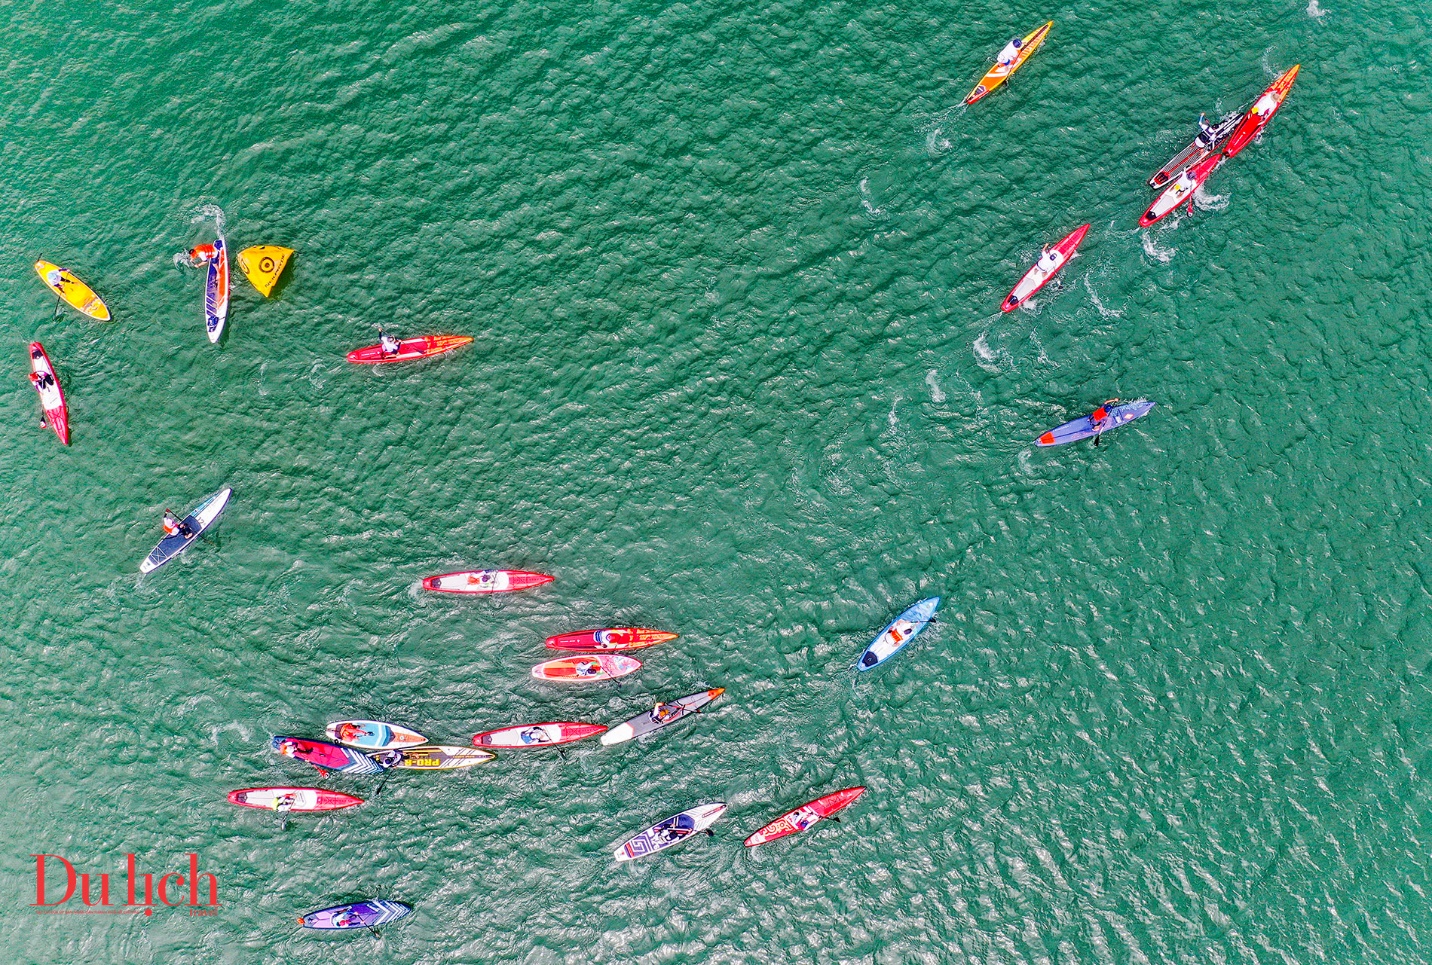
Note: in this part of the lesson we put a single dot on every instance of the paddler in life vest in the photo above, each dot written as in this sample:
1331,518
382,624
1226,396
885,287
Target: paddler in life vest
174,526
201,255
389,343
1010,53
1099,419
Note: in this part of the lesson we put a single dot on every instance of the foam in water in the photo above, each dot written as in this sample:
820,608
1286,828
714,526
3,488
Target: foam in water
1152,249
1094,297
1209,202
865,199
210,212
1314,10
932,379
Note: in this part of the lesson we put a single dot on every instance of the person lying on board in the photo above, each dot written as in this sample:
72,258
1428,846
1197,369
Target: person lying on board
350,733
201,255
535,735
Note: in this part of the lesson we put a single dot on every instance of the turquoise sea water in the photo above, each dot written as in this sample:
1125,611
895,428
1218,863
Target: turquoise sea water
739,371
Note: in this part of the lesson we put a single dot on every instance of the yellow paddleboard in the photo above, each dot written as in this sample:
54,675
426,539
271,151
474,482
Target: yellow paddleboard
999,73
63,283
262,264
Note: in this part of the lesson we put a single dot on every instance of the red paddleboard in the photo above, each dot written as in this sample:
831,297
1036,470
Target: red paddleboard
612,638
537,735
600,666
1180,190
422,347
292,799
1036,278
793,822
52,397
485,581
1268,102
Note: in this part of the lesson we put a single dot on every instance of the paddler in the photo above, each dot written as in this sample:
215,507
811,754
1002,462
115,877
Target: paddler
662,711
201,255
1266,104
351,733
1049,260
1010,53
1205,132
174,526
1099,418
55,277
389,344
285,802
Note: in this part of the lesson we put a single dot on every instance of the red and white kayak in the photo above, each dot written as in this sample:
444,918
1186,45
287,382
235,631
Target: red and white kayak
1262,112
1180,191
587,668
793,822
1036,278
537,735
424,346
485,581
52,397
611,638
292,799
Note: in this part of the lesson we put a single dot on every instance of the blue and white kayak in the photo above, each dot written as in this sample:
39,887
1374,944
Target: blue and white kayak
360,914
200,518
669,832
373,735
1087,427
898,633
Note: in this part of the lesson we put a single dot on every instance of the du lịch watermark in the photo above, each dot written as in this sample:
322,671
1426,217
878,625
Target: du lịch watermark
58,882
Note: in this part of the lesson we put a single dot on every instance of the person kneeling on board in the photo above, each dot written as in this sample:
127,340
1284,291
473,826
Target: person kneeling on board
389,343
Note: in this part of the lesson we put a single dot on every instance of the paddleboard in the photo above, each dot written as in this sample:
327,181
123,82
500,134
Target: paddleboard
216,292
485,581
424,346
262,265
1253,124
1083,428
669,832
793,822
999,73
536,735
670,714
1180,190
611,638
52,397
75,293
200,518
1036,278
373,735
286,799
369,913
1196,152
441,757
898,633
326,755
587,668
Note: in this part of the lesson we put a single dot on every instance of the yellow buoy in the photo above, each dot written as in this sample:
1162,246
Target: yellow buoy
262,264
63,283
